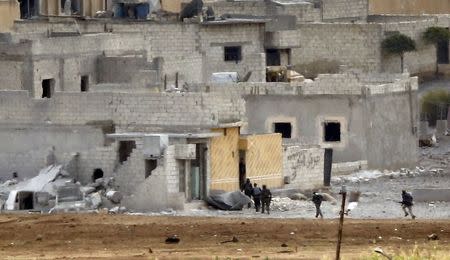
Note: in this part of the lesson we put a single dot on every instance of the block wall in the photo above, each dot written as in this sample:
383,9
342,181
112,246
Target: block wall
422,60
303,166
331,45
336,9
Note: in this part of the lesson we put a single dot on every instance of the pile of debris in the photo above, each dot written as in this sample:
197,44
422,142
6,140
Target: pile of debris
54,190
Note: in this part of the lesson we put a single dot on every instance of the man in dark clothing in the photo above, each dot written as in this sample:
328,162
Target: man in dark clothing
247,188
317,199
266,197
407,203
256,196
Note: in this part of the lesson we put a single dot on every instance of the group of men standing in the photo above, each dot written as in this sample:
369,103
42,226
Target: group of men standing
259,195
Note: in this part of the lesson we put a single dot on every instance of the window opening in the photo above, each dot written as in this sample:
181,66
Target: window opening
284,128
233,53
332,132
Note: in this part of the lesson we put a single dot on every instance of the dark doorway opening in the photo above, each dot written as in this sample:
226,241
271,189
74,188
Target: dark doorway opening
442,52
97,174
125,150
285,129
25,200
273,57
242,168
332,132
198,178
47,88
150,165
84,84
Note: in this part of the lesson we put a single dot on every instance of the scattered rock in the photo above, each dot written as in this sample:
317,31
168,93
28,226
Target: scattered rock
298,196
114,196
96,200
39,238
172,240
433,237
150,250
284,245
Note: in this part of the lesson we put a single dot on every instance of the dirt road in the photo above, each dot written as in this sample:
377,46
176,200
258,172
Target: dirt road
87,236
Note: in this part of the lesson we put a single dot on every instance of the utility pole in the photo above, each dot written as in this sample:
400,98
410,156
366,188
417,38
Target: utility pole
343,192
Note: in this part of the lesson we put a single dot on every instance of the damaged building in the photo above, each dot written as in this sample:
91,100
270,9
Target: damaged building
139,101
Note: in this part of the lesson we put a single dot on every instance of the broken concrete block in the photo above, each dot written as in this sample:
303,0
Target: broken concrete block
114,196
96,199
87,190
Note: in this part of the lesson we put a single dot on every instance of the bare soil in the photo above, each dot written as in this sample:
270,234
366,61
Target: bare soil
88,236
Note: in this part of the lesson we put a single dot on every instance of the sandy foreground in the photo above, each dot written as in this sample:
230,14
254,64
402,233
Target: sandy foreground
88,236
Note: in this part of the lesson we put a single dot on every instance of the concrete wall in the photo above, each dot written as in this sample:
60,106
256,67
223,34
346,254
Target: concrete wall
9,11
304,166
392,137
324,47
411,7
358,113
25,147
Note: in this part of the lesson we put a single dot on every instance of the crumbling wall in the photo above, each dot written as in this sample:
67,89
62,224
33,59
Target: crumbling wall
303,166
25,148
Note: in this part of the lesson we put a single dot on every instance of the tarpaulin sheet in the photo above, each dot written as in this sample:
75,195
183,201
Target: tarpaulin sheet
234,200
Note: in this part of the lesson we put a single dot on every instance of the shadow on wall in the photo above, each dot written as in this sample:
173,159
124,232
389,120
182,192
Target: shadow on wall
312,69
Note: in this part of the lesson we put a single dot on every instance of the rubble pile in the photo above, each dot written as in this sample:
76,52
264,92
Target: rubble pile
54,190
285,204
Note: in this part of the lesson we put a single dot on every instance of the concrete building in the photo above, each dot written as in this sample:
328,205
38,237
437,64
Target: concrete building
134,99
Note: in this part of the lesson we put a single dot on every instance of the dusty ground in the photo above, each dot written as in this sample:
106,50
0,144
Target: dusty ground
87,236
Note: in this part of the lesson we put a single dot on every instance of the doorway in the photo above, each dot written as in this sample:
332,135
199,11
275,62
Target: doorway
48,87
199,173
25,200
242,168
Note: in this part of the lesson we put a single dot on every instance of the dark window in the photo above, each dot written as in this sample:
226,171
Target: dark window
48,88
285,129
97,174
125,150
150,165
233,53
84,83
332,132
273,57
442,52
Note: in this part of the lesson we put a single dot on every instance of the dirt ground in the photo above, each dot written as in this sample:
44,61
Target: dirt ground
87,236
